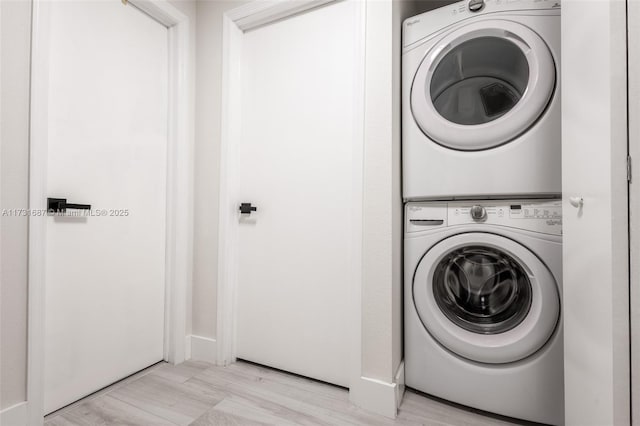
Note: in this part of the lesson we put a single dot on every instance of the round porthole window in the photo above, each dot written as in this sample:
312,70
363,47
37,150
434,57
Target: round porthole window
482,290
479,80
485,297
482,85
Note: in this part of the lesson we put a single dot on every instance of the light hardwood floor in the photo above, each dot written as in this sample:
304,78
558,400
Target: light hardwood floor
199,394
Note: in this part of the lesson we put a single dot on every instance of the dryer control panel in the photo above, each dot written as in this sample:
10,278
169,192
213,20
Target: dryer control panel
543,216
422,26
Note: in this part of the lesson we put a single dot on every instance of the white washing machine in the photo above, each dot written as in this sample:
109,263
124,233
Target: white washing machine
481,100
482,312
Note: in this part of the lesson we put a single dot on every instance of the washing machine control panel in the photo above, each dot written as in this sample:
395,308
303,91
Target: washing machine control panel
533,215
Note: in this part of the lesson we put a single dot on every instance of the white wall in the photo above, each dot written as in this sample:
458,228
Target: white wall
595,251
382,270
189,8
207,163
380,351
381,180
15,42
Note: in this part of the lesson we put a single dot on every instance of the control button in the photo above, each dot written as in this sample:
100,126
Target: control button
476,5
478,213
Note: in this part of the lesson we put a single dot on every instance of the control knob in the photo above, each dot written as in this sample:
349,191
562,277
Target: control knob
478,213
476,5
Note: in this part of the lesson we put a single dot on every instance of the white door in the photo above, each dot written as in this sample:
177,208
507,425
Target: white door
107,142
595,207
296,167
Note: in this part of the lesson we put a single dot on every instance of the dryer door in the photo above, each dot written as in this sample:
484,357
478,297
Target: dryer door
486,298
482,85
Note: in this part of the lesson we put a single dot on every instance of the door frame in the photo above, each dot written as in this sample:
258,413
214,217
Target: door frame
235,23
179,222
633,87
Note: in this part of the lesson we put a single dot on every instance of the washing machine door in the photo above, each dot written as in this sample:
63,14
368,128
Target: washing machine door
482,85
486,298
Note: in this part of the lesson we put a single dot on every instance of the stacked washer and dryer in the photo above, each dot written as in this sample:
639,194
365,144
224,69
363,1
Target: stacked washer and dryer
483,217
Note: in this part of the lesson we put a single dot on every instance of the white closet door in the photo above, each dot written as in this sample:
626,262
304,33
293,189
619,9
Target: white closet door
296,167
107,143
595,231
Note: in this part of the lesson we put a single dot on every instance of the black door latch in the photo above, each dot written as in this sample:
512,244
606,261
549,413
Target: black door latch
60,205
246,208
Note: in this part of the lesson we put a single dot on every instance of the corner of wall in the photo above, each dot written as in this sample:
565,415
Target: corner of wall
375,395
400,387
378,396
200,348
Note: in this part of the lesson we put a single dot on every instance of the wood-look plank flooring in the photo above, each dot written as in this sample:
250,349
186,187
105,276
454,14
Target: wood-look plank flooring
201,394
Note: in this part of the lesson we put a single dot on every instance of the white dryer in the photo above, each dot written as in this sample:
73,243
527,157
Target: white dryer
481,100
482,306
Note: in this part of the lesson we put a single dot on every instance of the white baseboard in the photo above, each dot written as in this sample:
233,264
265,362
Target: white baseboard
399,380
187,347
201,349
378,396
15,415
375,395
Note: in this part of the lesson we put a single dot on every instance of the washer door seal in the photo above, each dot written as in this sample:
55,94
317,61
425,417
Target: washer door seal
482,85
514,312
